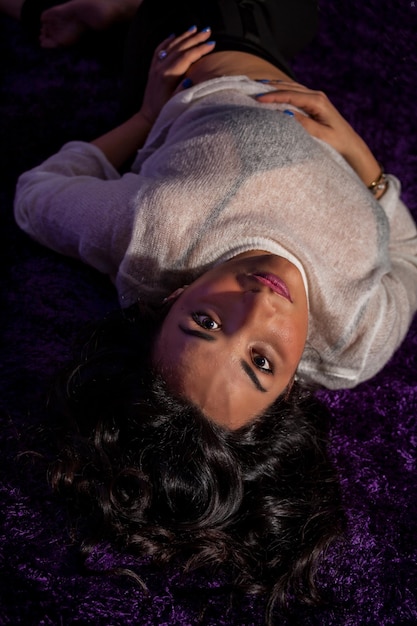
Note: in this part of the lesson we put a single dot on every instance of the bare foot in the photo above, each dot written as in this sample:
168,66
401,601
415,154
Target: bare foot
12,8
64,24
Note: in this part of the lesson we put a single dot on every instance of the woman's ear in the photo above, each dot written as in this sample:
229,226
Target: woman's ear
174,295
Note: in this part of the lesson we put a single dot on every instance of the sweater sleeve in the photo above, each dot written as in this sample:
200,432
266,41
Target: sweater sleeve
393,302
77,204
401,282
373,300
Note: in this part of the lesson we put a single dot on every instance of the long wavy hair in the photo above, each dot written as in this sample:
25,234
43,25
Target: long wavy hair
159,479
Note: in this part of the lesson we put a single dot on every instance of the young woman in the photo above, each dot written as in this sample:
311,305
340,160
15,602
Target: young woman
268,247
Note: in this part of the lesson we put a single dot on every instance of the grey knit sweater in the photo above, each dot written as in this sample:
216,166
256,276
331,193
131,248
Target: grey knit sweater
221,174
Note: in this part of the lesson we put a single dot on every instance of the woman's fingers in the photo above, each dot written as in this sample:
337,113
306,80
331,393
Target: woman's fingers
174,41
322,115
178,53
322,119
188,39
314,103
283,84
171,60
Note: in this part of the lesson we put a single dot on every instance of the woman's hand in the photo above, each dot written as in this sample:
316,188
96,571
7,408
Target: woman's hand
170,62
324,122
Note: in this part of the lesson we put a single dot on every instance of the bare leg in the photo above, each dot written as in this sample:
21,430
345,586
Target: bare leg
64,24
13,8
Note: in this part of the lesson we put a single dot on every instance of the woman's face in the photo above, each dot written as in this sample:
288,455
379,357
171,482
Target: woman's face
232,340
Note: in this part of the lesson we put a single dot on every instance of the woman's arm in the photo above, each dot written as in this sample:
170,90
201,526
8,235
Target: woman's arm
76,202
392,303
121,143
324,122
178,54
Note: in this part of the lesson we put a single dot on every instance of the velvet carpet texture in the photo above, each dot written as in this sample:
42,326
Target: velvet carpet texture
365,58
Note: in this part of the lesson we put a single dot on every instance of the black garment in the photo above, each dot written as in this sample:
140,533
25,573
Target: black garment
274,30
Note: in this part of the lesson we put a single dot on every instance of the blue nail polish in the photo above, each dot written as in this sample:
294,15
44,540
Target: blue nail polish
257,95
268,80
187,82
207,29
288,112
210,43
192,28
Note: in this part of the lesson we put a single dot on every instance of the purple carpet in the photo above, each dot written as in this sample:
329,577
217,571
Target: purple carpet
365,57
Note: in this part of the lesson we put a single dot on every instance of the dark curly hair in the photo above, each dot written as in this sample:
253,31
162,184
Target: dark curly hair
162,480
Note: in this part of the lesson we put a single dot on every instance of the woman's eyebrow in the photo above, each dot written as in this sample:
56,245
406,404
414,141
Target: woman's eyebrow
194,332
249,371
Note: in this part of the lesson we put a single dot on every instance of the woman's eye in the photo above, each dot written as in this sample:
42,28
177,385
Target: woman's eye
262,363
205,321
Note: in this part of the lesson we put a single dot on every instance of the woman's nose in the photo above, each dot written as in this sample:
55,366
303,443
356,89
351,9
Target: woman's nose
258,303
251,308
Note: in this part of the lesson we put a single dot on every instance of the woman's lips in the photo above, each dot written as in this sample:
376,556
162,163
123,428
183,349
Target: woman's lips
273,282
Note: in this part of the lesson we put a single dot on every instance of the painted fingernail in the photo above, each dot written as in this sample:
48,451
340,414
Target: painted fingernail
210,43
192,28
187,82
288,112
207,29
258,95
268,80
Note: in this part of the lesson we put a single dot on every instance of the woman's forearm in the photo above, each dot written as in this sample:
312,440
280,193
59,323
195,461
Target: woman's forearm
324,122
171,60
121,144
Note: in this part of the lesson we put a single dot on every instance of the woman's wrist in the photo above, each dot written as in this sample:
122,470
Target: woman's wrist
367,167
145,118
121,144
379,185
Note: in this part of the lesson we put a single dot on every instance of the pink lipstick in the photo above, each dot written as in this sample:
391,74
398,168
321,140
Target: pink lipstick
273,282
